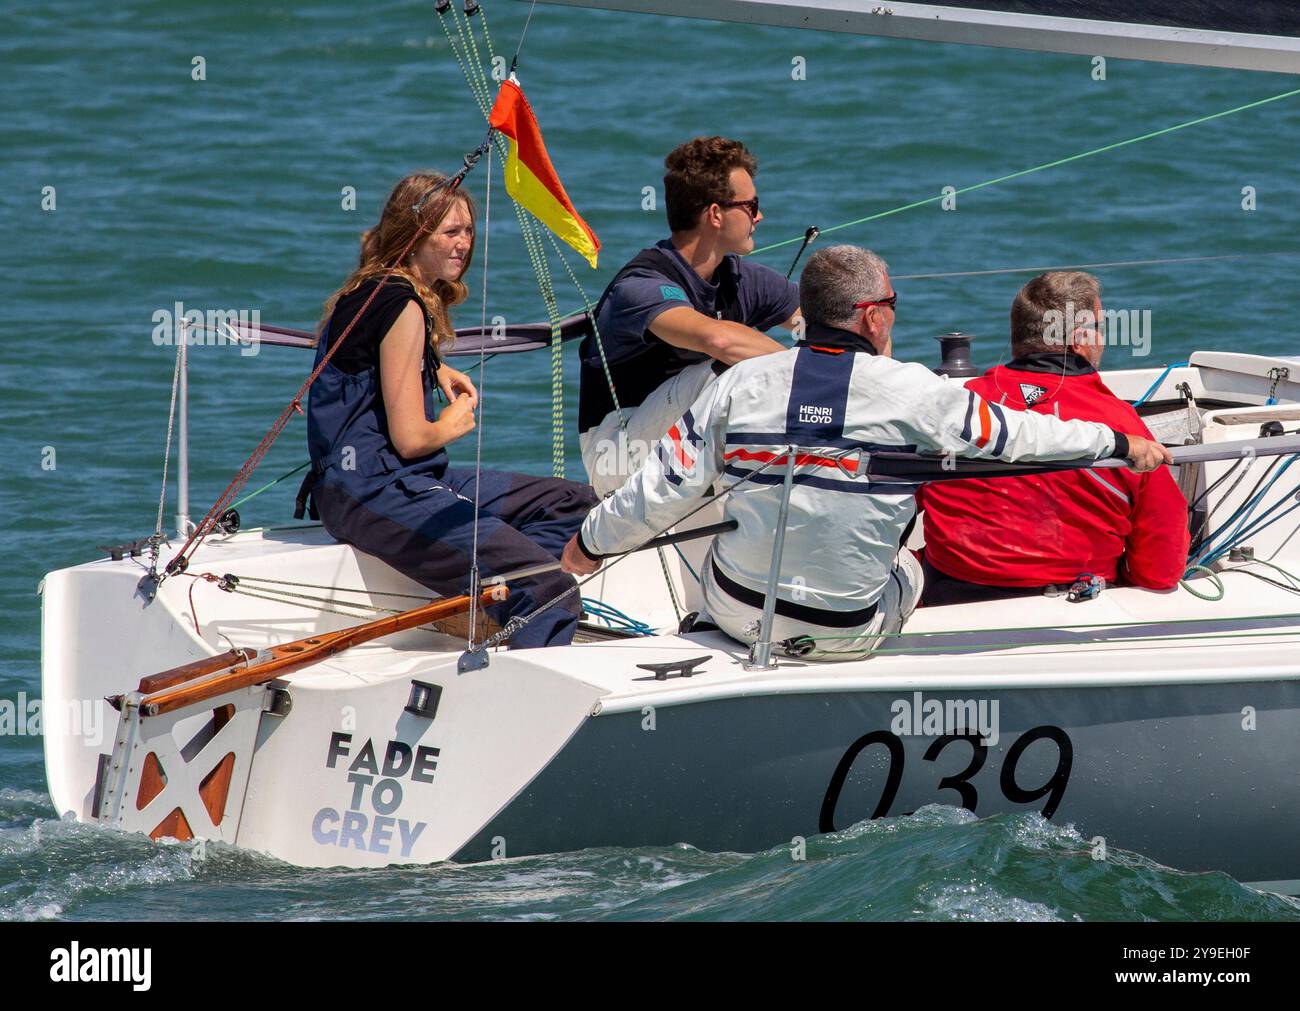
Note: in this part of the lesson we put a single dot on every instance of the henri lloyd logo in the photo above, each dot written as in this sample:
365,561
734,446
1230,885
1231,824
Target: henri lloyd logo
102,965
815,414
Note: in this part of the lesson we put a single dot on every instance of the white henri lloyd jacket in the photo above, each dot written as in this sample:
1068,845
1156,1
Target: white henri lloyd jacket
835,400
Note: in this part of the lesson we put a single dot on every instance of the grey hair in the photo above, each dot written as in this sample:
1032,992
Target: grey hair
835,279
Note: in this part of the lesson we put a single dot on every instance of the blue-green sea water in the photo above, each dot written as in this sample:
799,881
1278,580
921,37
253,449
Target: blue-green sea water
128,185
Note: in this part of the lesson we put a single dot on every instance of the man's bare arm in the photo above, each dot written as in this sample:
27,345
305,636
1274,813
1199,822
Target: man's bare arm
684,327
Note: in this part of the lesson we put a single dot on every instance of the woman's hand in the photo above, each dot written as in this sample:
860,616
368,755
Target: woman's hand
454,384
455,420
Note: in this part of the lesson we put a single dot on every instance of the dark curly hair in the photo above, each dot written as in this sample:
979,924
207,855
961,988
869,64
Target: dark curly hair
699,174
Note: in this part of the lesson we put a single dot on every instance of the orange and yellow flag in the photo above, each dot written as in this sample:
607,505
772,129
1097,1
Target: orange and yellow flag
531,179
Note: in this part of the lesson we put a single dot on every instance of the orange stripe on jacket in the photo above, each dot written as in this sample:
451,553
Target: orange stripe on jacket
986,424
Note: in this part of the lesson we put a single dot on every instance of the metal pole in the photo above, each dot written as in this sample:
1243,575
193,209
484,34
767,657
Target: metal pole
760,654
183,524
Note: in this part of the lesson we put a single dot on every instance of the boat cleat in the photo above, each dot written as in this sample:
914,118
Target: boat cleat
673,668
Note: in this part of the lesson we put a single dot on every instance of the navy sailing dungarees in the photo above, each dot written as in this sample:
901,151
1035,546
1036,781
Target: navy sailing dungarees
418,515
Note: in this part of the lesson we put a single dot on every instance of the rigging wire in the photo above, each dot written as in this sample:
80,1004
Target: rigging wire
155,542
471,68
270,484
482,414
522,35
1040,168
1082,266
1093,266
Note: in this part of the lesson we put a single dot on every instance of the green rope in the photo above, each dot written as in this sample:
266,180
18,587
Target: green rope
537,254
1292,584
485,360
487,36
476,61
482,94
467,57
478,99
557,390
1290,576
682,556
254,494
1214,578
600,342
1039,168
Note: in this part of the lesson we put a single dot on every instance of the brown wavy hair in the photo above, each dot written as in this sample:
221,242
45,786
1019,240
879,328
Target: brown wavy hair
699,174
398,224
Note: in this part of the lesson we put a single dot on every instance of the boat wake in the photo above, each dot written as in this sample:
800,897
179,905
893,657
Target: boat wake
942,863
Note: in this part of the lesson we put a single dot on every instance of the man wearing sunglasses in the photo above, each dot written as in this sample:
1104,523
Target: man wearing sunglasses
679,312
836,397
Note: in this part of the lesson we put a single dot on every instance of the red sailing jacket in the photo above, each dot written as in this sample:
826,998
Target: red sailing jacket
1049,528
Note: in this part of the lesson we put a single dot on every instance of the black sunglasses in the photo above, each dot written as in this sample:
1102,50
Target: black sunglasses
750,205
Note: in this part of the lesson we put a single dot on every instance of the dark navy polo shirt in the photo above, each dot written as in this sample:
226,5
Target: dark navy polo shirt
742,291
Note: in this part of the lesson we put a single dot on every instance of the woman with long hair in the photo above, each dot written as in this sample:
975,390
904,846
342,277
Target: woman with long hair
381,479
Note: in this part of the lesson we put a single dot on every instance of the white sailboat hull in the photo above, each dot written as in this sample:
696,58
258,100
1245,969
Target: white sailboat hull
1158,722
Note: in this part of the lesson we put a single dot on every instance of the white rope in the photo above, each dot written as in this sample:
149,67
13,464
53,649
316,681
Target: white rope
157,539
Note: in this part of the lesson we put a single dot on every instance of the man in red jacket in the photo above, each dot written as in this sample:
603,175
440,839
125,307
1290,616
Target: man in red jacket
1015,535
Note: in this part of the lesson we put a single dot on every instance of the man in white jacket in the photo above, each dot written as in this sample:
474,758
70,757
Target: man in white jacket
834,398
